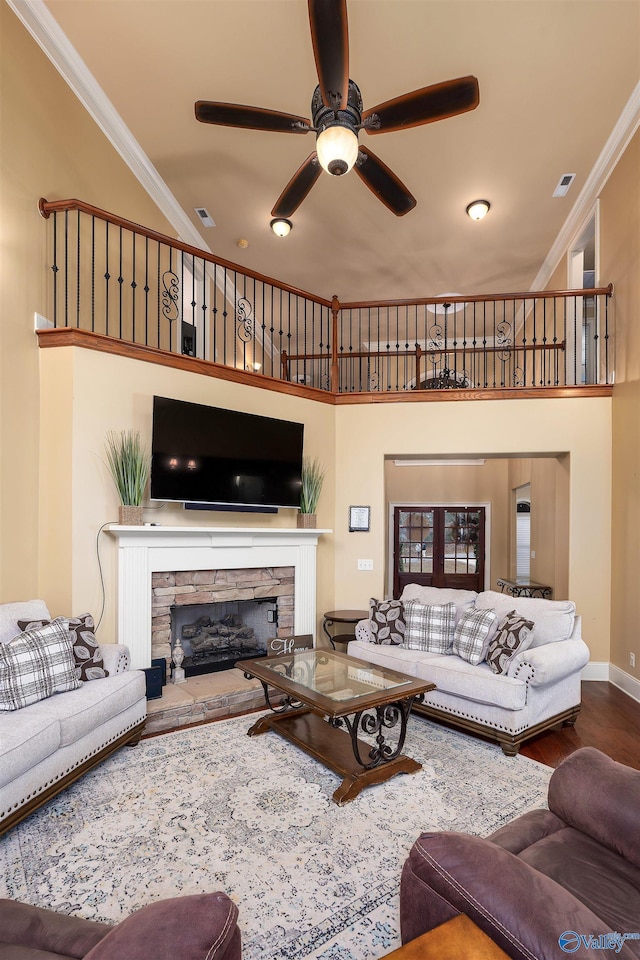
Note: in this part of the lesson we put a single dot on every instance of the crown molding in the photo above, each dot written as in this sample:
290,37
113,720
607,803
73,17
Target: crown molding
45,30
618,141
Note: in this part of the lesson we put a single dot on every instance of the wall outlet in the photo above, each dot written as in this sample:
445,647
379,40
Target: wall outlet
533,554
632,659
365,564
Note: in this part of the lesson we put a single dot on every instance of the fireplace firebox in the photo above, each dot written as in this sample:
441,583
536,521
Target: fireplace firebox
214,636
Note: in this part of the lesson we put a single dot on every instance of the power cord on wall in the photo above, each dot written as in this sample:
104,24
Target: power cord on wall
100,571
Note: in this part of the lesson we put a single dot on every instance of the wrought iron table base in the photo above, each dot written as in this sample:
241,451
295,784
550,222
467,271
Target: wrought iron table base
360,763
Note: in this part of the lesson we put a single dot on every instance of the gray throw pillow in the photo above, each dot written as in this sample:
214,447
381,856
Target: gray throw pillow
473,634
35,665
430,626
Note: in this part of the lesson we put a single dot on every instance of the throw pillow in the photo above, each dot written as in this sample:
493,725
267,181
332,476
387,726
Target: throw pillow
86,650
513,636
430,626
387,621
473,634
37,664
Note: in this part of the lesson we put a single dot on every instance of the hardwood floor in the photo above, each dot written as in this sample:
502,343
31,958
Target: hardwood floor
609,720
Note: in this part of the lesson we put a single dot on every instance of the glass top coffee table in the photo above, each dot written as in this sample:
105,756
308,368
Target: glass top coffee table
331,701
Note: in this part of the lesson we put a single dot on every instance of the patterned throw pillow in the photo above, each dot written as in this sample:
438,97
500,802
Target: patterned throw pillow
86,651
35,665
386,618
430,626
473,634
513,636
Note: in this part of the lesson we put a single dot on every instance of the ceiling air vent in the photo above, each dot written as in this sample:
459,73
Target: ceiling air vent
205,216
564,183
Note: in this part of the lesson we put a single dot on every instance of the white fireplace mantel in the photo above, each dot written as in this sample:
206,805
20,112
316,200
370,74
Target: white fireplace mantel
145,550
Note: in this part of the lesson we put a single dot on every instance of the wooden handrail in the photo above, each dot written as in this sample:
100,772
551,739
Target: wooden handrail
47,207
420,351
497,297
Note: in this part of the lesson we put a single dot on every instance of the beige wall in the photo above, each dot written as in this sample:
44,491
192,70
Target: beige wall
620,264
83,395
549,480
50,148
462,486
580,428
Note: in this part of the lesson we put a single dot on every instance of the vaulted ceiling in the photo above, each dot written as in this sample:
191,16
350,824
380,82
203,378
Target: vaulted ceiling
554,78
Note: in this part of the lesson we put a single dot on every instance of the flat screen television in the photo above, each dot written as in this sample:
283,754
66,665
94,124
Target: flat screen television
209,457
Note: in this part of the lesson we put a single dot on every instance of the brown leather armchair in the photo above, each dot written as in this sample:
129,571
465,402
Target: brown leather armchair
556,882
199,927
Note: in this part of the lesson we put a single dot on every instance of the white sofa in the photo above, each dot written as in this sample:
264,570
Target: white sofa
47,745
541,688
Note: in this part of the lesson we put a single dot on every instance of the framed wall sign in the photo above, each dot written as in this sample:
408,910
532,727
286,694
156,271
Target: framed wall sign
359,518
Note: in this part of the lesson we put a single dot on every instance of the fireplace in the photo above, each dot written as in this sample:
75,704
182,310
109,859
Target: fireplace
214,636
220,616
163,567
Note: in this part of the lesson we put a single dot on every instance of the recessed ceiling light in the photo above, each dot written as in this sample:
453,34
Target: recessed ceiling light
205,217
478,209
281,227
564,183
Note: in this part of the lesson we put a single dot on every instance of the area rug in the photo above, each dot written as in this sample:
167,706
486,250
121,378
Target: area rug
209,808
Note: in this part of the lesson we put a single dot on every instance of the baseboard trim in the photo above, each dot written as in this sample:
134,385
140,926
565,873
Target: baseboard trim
597,670
624,681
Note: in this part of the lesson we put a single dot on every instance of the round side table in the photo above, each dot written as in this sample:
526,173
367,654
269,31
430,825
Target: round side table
332,617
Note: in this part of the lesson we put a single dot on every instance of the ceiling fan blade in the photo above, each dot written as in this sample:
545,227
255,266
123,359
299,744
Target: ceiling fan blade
436,102
298,187
384,183
330,38
251,118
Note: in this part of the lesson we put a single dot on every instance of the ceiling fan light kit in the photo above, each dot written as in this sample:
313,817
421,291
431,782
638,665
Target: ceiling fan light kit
281,227
338,117
478,209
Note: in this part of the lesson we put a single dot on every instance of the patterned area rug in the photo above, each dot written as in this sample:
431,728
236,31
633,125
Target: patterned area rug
212,809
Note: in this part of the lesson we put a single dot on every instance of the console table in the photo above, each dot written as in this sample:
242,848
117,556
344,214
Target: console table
523,587
341,616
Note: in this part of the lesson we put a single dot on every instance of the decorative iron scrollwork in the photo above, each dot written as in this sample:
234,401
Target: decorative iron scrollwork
374,723
244,318
170,295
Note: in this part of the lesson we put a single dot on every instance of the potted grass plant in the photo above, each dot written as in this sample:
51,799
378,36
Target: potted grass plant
129,462
313,474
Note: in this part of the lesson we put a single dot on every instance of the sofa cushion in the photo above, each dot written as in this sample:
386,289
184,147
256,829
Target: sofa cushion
35,665
387,621
513,636
26,739
390,656
430,626
10,613
86,650
599,878
473,634
463,599
553,619
83,710
458,678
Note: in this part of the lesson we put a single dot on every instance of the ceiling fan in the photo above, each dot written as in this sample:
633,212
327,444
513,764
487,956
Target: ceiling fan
338,116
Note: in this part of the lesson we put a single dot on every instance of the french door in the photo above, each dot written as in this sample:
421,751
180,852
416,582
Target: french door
438,547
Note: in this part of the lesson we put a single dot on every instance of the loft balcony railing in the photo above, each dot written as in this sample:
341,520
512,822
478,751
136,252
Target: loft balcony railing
118,280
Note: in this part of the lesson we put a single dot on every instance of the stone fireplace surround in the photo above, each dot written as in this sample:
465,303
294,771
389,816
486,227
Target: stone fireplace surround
197,587
148,550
